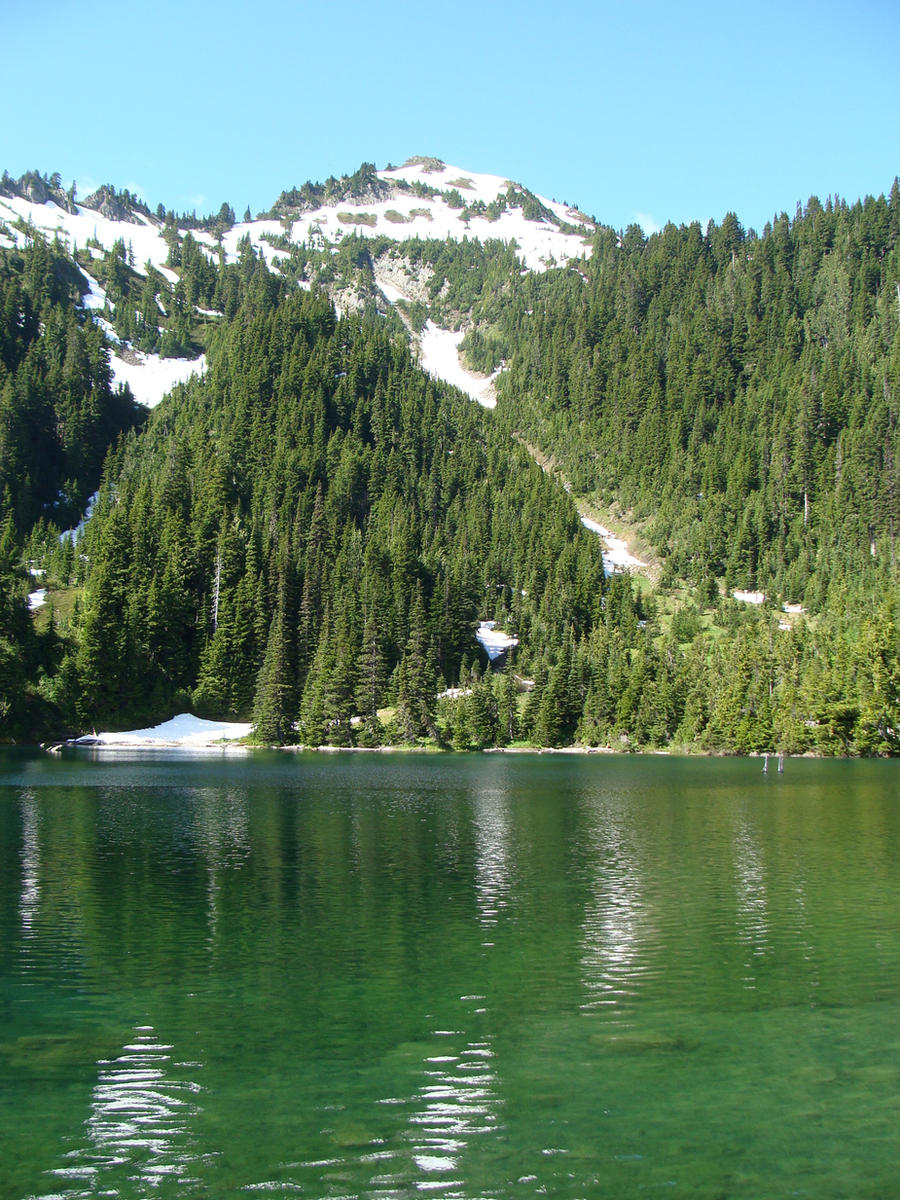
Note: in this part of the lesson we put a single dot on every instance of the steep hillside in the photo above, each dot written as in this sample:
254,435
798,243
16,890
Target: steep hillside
132,259
737,394
311,532
59,408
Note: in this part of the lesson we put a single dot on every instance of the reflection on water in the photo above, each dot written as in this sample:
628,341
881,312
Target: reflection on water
222,824
454,1104
615,919
222,832
473,979
752,899
492,854
30,894
139,1128
457,1103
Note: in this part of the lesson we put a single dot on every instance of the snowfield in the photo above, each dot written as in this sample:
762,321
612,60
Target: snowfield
439,356
144,238
151,377
539,244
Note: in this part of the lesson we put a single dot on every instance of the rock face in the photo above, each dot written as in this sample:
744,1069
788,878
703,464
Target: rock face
37,189
107,204
410,282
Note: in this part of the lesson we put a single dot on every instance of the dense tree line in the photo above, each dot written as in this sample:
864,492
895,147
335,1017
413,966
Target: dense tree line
738,393
59,409
312,532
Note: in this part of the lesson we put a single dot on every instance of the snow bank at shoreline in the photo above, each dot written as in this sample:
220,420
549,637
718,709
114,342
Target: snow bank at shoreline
182,730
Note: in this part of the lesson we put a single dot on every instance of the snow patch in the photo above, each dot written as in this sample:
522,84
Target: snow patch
749,597
475,185
37,599
439,356
95,300
391,293
183,730
616,555
76,533
151,377
145,239
494,640
470,184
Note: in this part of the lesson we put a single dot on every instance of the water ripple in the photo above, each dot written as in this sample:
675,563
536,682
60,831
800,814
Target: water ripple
138,1130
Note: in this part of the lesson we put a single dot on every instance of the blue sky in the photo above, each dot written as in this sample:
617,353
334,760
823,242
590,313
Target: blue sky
641,112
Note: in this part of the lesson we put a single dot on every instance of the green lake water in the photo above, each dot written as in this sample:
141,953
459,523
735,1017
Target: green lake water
452,976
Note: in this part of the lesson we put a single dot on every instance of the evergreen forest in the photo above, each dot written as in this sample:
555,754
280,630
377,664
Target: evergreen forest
308,536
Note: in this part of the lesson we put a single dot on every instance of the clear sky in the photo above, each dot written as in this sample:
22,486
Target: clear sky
649,111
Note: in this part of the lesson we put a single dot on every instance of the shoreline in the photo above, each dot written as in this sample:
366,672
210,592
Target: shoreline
238,747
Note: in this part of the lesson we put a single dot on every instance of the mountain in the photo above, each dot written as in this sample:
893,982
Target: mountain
310,531
424,199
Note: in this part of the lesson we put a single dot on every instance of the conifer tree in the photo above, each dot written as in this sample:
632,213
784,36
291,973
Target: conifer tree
274,702
417,682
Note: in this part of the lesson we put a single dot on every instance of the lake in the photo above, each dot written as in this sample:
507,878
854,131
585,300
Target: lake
454,976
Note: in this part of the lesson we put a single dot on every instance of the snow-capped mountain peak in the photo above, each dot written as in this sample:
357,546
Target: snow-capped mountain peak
425,198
